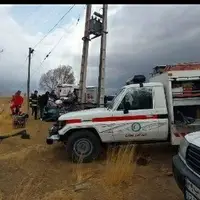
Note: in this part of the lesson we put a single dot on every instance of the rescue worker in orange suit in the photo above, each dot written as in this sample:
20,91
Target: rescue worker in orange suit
16,103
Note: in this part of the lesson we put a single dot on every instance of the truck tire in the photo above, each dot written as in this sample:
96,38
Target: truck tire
83,146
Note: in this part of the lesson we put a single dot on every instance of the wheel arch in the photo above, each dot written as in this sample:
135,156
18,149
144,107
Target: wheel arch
91,129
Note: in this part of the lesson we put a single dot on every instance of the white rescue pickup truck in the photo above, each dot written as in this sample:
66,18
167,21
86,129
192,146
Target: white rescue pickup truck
140,112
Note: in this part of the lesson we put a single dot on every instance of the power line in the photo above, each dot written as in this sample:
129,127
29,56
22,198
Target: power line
48,31
59,41
47,56
77,22
54,47
55,25
28,18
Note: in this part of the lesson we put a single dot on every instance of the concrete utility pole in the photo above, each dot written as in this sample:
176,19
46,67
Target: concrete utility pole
97,26
86,39
30,52
101,80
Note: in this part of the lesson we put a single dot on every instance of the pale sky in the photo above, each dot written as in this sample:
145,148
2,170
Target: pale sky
139,38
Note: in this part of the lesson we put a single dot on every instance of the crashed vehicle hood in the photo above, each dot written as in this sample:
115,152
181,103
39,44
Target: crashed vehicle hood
88,114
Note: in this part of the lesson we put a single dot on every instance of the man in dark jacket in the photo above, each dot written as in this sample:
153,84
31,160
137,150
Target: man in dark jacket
53,95
75,95
43,102
35,104
30,103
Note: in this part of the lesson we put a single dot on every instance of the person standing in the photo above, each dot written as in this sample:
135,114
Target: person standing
75,95
42,102
53,95
30,103
16,103
35,104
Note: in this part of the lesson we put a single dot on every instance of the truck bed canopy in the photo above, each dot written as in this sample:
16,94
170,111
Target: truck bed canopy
159,69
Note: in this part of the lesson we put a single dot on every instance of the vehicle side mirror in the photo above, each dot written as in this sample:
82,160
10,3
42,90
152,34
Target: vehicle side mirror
126,106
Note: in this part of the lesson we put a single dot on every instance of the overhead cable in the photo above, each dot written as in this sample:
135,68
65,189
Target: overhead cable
54,26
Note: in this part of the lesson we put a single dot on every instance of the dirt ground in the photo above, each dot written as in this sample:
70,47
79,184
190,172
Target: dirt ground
30,169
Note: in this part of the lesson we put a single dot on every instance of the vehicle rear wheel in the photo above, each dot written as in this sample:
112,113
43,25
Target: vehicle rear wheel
83,146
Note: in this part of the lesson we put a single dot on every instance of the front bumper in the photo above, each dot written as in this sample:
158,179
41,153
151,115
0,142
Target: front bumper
53,135
181,171
52,139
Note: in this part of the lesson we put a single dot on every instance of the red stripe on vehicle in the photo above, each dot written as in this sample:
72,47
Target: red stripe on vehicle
124,118
73,121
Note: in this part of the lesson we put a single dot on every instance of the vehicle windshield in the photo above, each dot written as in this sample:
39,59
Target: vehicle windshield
116,98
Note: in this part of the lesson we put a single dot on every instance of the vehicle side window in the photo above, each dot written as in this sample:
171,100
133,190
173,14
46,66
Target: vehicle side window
137,99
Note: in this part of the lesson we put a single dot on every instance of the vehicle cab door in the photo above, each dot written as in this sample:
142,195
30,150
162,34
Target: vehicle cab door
135,116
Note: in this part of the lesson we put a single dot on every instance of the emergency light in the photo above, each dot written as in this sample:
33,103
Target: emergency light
137,79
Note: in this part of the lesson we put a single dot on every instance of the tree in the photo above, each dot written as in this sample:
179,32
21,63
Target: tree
61,75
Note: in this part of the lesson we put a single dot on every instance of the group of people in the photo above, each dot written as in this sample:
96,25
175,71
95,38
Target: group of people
39,102
72,96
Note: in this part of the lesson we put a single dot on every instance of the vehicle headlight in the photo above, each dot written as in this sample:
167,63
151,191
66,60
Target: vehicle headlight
183,148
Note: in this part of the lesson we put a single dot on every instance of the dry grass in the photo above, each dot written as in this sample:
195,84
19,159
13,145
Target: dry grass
48,177
23,153
80,174
119,165
27,189
62,194
119,168
1,195
5,123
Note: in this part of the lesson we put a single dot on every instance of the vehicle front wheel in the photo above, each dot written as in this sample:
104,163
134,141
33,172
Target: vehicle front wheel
83,146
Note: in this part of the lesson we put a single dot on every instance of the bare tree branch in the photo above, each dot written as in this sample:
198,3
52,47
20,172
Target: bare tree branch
61,75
